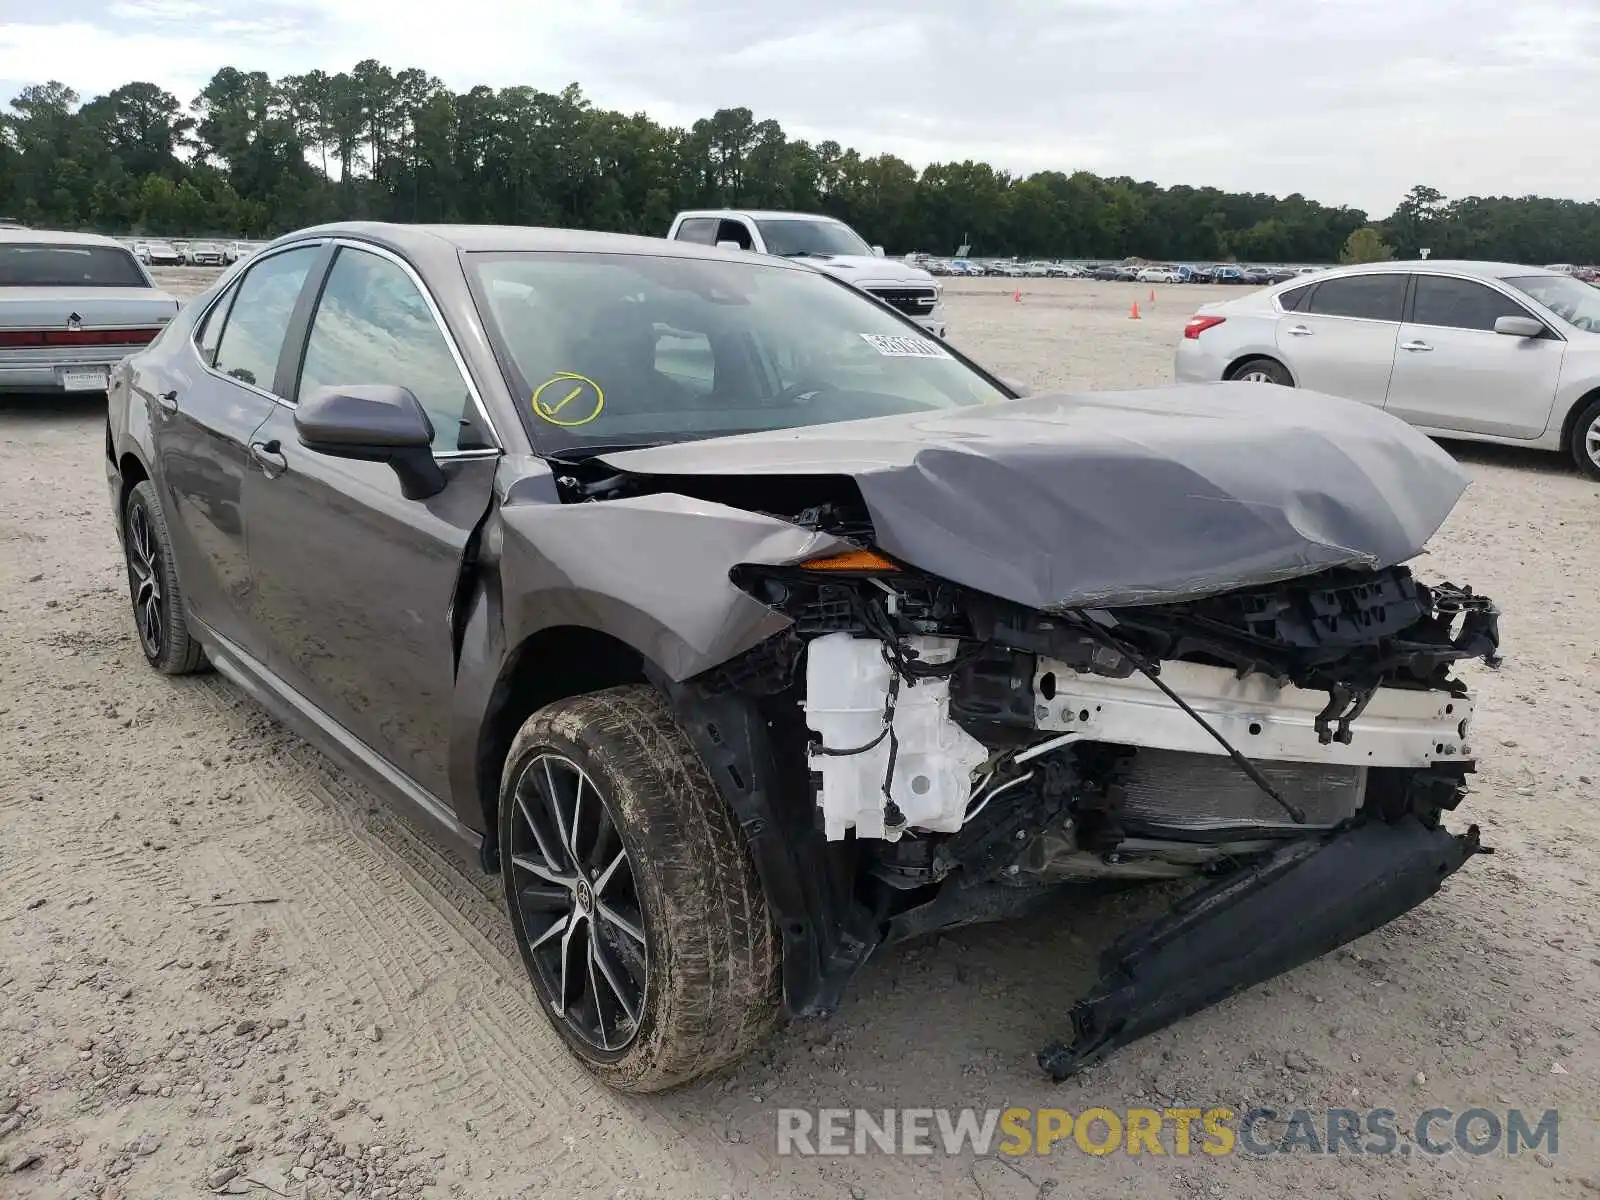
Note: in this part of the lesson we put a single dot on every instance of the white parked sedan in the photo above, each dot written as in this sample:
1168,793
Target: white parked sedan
1491,352
1159,275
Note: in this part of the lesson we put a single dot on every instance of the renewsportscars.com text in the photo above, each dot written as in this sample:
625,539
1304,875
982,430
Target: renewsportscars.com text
1178,1132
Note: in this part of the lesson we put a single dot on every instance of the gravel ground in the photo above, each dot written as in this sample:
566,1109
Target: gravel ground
229,967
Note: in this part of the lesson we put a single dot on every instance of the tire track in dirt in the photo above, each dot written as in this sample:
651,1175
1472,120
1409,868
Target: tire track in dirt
386,940
354,856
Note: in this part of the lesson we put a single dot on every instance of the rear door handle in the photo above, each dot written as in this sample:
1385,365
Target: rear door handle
168,401
269,458
1298,331
1415,346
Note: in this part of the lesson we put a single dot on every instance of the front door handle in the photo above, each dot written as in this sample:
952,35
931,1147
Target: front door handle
1415,347
269,457
1298,331
168,401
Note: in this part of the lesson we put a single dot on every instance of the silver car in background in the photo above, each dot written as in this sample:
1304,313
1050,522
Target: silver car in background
72,305
1492,352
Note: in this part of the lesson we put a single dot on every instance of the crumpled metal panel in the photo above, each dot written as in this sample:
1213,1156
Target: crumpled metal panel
650,570
1113,498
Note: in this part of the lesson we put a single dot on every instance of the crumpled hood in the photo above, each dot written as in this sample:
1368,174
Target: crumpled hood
1118,498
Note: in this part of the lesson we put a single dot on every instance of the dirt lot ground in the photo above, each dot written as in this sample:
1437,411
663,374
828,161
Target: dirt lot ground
226,962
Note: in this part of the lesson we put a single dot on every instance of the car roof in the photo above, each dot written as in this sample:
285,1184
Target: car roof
427,240
51,237
1458,266
761,214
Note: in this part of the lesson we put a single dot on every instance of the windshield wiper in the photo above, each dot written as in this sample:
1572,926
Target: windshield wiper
573,455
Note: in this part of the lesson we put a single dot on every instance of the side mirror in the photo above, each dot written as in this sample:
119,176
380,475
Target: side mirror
376,422
1523,327
1016,386
877,252
729,244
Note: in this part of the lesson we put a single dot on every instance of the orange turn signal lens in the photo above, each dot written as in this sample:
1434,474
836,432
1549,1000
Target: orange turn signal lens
850,560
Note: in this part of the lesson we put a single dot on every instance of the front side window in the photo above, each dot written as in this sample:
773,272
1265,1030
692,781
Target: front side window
1460,304
604,349
1373,297
1570,299
34,264
252,338
372,325
737,232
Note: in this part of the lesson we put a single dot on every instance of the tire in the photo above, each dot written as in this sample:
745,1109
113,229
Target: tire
1585,441
1263,370
703,981
153,587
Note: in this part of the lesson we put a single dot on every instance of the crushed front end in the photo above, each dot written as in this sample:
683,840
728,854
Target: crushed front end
1290,747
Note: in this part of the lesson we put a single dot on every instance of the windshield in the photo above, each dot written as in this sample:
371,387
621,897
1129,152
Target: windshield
811,237
608,349
41,265
1569,298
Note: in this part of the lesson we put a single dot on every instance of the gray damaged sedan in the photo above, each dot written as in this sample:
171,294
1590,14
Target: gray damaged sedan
743,629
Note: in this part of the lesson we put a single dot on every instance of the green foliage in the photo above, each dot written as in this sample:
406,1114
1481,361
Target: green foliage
1366,245
252,156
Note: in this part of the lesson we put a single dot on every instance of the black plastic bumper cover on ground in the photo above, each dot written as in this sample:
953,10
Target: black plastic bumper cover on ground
1304,901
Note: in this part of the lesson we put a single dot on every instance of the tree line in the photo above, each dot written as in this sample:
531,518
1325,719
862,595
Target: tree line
252,156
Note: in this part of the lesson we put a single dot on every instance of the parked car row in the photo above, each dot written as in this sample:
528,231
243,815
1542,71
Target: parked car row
1139,272
155,252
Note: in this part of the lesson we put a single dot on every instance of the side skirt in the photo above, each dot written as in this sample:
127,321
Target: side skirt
315,726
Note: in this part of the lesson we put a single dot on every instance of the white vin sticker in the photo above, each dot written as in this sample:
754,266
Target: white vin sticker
899,345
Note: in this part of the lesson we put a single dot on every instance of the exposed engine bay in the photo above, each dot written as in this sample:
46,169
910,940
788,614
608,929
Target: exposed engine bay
969,756
1177,660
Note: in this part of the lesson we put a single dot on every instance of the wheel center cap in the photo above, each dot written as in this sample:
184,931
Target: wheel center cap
585,897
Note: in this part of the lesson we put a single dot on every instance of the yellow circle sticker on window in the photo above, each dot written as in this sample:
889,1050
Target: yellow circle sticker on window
568,399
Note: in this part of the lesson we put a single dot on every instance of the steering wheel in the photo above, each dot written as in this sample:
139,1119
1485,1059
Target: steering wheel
802,390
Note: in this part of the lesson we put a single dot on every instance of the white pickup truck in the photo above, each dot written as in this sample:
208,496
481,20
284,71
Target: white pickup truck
827,244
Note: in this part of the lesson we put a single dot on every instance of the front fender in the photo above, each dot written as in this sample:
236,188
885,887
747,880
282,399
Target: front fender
649,572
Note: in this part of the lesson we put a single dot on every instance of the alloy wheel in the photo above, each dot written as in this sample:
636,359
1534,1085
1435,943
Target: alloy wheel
577,903
144,580
1256,377
1591,441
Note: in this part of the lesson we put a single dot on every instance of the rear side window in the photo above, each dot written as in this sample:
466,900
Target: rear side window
697,229
36,265
1373,297
1294,299
257,323
1460,304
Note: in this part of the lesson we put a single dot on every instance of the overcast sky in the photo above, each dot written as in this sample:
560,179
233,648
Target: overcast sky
1346,101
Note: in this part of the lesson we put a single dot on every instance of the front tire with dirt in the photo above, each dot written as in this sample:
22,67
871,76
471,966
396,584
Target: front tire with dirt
631,893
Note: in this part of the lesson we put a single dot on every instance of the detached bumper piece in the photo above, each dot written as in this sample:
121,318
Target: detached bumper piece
1299,904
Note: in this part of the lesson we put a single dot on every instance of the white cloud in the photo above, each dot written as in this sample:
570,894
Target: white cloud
1342,100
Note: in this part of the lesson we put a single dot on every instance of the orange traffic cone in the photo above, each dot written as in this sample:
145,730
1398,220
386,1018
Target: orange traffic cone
1017,297
1134,315
1152,295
